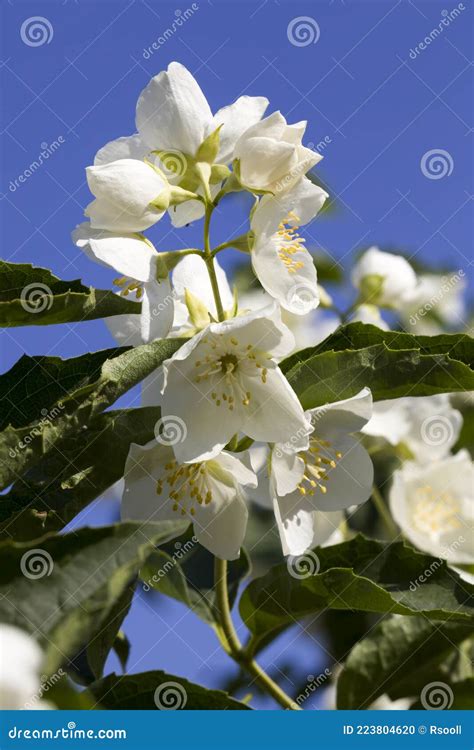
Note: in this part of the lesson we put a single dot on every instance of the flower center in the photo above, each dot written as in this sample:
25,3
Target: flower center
229,365
318,459
290,244
128,285
188,484
436,514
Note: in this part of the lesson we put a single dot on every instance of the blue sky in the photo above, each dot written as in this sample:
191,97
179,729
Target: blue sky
378,102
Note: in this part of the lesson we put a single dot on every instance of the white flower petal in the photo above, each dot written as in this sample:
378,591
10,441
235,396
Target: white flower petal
287,470
342,417
128,254
172,111
350,482
128,183
266,161
294,286
326,528
235,119
399,277
295,524
221,529
107,215
304,200
274,413
125,329
127,147
157,310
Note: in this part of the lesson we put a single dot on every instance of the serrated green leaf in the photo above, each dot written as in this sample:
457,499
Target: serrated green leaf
45,399
32,296
397,657
62,587
70,476
158,690
392,364
362,575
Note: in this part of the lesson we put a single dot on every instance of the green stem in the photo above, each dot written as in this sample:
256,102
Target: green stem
209,259
384,513
233,646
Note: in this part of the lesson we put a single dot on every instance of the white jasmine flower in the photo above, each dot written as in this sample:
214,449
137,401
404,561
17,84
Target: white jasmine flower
173,114
209,493
383,278
135,258
21,660
271,156
281,263
125,192
428,425
434,506
225,380
173,117
331,474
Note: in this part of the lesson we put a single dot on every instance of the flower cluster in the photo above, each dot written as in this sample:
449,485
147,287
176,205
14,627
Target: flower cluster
224,384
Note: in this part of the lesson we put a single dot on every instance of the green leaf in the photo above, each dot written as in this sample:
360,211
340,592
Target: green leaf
392,364
45,399
32,296
158,690
398,657
71,583
362,575
98,648
184,570
69,477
